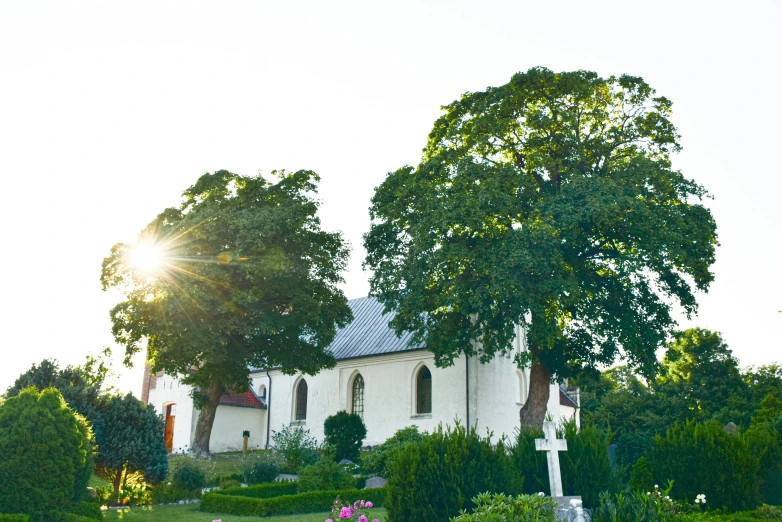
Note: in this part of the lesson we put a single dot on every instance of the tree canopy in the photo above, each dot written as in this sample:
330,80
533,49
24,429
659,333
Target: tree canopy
548,202
240,275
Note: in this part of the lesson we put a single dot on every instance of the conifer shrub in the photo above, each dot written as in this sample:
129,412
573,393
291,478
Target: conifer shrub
586,469
438,477
87,510
44,455
641,478
529,465
14,518
189,476
379,459
325,475
345,432
701,458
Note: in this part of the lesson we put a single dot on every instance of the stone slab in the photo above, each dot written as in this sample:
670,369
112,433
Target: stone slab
375,482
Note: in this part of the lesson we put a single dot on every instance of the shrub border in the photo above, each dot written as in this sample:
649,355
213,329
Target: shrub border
311,502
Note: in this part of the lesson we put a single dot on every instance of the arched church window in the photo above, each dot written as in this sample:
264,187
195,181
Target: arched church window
423,391
262,392
301,401
358,396
522,378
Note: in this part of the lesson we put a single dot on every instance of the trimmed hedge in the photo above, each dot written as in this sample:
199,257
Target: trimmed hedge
14,518
276,489
87,510
312,502
72,517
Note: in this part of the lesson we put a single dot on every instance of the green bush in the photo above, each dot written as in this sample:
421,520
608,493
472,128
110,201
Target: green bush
297,447
312,502
641,476
379,459
14,518
345,432
766,512
437,478
633,506
276,489
261,472
189,476
44,455
228,482
168,492
529,465
586,470
72,517
88,510
325,475
502,508
771,459
703,458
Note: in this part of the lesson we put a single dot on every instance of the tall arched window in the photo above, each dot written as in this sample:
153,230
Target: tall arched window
301,401
423,391
358,396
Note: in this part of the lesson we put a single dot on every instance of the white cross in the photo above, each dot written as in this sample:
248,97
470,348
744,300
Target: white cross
552,445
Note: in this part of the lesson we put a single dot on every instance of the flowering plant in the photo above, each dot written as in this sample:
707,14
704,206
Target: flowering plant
353,511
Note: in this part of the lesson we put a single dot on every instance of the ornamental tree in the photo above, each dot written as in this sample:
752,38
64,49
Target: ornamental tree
130,440
549,202
240,275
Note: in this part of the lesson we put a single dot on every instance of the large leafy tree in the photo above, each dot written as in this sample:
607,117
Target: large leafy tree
548,202
239,276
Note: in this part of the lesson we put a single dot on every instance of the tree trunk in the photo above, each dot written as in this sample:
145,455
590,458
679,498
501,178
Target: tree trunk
533,413
118,480
206,418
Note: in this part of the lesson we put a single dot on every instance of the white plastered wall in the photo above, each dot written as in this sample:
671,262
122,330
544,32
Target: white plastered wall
230,422
168,390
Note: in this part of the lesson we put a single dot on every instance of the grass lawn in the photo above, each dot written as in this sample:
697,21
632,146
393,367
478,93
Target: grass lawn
190,512
221,464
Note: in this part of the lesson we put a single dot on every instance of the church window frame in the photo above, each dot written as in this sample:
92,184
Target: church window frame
422,397
522,388
300,401
357,394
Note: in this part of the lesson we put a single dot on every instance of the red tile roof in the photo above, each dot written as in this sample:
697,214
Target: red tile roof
247,399
566,400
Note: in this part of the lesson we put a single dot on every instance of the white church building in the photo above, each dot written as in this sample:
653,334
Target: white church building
378,376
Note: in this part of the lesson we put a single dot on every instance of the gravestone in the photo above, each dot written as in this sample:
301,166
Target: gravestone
375,482
569,507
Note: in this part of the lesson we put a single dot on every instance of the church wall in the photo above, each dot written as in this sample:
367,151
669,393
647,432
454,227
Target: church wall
388,397
230,422
167,391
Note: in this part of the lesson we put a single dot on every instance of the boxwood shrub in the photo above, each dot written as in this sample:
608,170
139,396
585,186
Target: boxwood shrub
312,502
87,510
276,489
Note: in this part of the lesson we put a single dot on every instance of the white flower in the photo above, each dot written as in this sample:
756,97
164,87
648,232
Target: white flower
540,494
656,486
697,501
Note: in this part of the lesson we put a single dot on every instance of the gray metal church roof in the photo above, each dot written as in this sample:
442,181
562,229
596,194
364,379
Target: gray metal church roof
369,333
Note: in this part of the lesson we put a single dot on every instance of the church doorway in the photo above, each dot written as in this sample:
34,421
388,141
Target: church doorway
169,433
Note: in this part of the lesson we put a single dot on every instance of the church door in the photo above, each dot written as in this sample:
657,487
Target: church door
169,434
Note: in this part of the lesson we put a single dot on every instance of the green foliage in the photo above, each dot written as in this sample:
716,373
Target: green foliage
275,489
703,459
586,470
228,482
130,440
325,475
633,506
167,492
437,478
766,512
189,476
549,202
88,510
379,459
14,518
503,508
528,464
297,447
312,502
641,478
766,440
261,471
249,278
45,453
345,432
72,517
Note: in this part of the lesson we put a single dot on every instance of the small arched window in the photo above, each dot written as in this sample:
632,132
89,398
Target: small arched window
301,401
262,392
522,378
423,391
358,396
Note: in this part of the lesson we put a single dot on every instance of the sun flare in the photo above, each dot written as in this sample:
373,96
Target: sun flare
146,258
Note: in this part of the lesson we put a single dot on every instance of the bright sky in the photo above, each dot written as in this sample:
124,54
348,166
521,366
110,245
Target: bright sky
109,110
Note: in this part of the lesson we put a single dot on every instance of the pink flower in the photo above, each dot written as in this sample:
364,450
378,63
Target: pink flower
370,504
346,512
329,520
362,518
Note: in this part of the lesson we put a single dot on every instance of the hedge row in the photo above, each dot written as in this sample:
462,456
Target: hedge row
312,502
14,518
275,489
87,510
72,517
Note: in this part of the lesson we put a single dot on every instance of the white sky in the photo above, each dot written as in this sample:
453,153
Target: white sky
109,110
